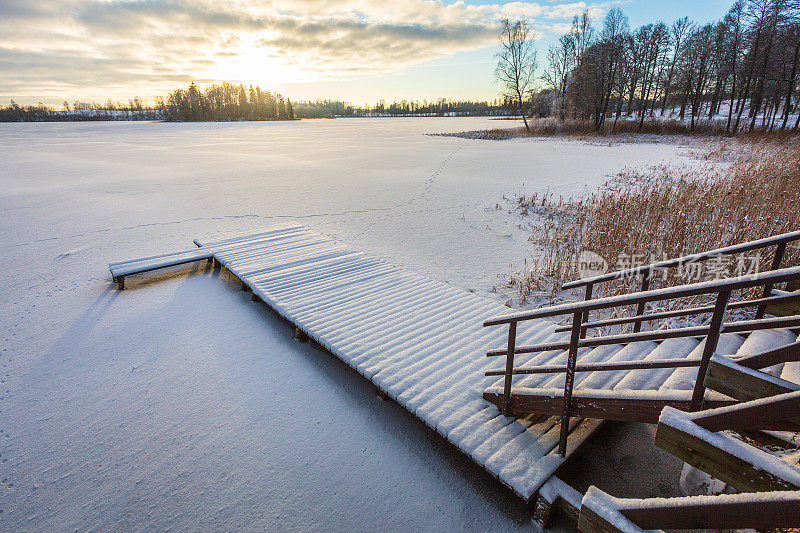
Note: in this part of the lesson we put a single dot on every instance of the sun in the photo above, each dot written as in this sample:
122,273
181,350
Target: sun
251,62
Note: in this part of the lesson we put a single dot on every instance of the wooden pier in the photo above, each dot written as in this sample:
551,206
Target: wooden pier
423,343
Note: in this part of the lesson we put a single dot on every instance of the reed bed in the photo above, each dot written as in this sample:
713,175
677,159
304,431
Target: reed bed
622,130
748,189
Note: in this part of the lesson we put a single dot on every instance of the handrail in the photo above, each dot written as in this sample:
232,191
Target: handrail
702,256
683,312
580,322
667,293
739,326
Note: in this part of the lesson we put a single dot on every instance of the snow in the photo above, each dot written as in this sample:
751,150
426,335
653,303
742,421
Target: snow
177,403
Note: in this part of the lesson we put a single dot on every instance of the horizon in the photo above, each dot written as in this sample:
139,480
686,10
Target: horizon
419,50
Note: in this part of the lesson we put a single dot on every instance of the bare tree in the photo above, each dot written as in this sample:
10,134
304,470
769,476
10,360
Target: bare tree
560,60
516,63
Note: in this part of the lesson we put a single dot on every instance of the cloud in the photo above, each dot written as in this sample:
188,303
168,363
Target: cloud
92,46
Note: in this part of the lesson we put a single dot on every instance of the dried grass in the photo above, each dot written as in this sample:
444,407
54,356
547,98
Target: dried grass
748,190
622,130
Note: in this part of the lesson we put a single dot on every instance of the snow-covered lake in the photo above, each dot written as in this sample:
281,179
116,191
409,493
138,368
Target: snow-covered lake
179,404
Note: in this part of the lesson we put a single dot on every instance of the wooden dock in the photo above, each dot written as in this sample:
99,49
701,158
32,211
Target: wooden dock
422,343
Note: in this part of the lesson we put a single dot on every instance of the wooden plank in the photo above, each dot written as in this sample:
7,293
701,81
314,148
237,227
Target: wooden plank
596,403
742,383
728,467
776,413
726,511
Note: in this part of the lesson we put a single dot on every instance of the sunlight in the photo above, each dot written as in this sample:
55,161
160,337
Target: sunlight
253,63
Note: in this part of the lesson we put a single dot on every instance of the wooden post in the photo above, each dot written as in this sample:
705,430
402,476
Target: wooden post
637,325
121,283
512,341
254,297
243,287
776,264
712,339
569,380
300,335
585,316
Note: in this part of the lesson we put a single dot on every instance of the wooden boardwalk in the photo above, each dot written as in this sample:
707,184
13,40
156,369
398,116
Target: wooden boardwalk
423,343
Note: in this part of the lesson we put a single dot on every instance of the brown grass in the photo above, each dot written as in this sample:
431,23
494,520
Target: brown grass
624,129
748,190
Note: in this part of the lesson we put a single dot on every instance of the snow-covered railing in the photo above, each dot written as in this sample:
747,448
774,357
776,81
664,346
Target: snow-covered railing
765,510
722,288
646,271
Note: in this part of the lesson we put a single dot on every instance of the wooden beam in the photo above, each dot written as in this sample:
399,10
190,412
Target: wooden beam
725,464
695,331
596,367
789,298
726,511
782,354
777,413
744,384
595,403
603,513
787,306
667,293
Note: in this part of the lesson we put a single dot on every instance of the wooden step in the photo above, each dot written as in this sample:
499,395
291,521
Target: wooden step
626,405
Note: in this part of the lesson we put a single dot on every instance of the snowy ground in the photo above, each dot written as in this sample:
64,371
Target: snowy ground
178,403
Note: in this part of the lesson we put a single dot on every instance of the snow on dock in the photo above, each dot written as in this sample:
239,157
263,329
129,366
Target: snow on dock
420,341
423,343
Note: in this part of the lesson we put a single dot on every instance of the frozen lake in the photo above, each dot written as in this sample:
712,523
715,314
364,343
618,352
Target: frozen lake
151,409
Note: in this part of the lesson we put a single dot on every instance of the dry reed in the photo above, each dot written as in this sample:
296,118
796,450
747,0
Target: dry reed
748,190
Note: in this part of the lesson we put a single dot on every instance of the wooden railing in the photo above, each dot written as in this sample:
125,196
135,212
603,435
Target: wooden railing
647,271
579,310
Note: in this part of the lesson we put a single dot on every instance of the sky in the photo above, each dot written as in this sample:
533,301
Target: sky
354,50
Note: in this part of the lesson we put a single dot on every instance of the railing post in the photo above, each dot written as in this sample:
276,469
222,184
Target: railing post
512,340
776,264
637,325
569,380
585,316
712,339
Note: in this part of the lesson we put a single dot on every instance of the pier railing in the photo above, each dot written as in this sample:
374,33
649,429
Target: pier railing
721,288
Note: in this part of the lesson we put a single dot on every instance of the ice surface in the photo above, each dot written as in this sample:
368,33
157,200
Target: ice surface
179,405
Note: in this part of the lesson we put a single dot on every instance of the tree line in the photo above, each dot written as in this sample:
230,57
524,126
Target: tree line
439,107
237,102
223,102
741,71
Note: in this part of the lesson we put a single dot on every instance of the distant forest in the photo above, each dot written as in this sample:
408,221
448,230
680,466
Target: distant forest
440,107
223,102
229,102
